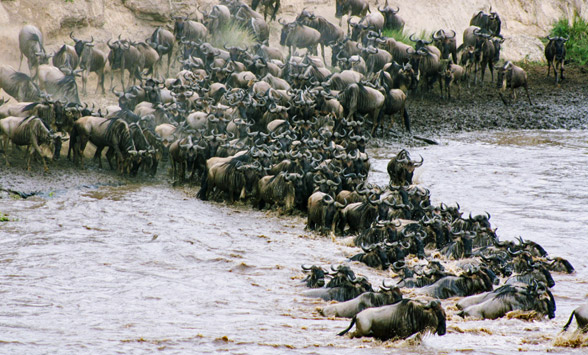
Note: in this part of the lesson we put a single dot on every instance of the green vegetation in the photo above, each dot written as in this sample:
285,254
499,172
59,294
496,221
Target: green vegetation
577,32
403,37
232,35
4,218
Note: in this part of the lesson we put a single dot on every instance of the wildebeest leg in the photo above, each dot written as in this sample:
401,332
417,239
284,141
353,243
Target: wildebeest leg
98,155
528,97
100,80
549,67
276,8
38,150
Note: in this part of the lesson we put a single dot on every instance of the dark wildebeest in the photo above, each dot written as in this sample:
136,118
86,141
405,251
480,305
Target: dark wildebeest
391,19
30,42
555,53
268,5
123,56
467,284
92,60
446,44
490,23
399,320
321,212
330,33
28,131
351,8
296,35
18,85
316,279
581,314
349,309
348,289
507,298
188,30
512,76
66,57
357,98
103,132
401,168
162,41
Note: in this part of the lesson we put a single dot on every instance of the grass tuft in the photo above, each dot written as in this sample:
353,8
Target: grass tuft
576,30
404,37
232,34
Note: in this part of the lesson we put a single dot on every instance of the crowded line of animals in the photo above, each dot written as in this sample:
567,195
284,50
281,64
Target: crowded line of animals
254,125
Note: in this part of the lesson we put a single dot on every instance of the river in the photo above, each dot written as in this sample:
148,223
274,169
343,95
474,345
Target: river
133,268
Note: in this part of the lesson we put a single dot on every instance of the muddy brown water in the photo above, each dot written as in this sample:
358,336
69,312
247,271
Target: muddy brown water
99,264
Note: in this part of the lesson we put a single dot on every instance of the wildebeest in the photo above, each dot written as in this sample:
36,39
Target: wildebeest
316,279
330,33
357,98
66,57
392,20
268,5
351,8
401,168
92,60
18,85
467,284
188,30
162,41
123,56
348,289
581,314
489,23
555,53
507,298
27,131
296,35
321,212
349,309
512,76
59,85
103,132
399,320
30,43
446,44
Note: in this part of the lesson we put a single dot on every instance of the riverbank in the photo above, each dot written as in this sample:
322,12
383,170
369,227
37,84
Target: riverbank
480,108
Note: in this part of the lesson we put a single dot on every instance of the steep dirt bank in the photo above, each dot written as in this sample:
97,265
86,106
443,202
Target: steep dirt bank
523,21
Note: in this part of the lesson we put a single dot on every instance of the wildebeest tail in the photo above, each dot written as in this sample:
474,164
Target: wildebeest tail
348,328
406,120
565,327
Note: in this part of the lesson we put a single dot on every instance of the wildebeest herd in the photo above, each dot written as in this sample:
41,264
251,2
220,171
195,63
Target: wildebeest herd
249,124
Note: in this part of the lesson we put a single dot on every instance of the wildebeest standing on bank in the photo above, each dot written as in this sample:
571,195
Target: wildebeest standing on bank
91,60
555,53
399,320
30,43
512,76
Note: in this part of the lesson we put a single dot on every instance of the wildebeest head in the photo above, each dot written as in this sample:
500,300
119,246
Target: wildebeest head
180,23
435,306
287,28
556,48
316,278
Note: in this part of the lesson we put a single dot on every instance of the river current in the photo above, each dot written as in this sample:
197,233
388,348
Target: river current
140,267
